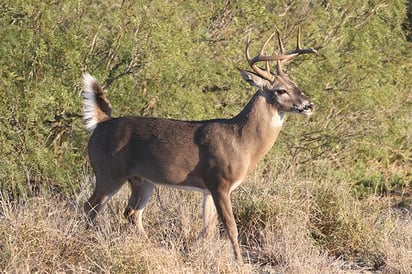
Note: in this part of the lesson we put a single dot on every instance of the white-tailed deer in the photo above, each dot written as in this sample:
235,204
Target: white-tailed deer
211,156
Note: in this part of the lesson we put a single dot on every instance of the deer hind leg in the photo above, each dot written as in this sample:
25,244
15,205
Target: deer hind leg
141,192
102,193
224,210
209,216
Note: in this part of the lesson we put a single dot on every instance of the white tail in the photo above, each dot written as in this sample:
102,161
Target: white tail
212,156
96,107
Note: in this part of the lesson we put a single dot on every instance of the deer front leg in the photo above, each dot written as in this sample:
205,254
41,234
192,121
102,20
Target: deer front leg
224,210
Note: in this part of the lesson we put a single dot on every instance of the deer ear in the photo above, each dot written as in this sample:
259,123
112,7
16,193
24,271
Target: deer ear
254,79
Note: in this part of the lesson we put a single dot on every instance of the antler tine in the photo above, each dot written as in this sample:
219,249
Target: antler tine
281,48
264,49
292,54
266,43
260,57
247,48
279,67
279,63
298,49
298,39
261,53
267,67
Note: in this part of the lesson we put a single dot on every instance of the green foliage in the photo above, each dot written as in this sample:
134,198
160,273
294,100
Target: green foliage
172,51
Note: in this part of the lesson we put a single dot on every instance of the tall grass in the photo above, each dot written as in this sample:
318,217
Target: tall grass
287,225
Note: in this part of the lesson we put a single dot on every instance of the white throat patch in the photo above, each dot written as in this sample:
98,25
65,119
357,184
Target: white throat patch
277,119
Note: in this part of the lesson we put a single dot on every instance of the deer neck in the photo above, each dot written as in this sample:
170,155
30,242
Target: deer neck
259,124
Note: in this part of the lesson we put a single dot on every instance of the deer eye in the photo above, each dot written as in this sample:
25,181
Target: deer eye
281,91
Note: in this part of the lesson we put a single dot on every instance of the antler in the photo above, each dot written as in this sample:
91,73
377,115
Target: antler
281,58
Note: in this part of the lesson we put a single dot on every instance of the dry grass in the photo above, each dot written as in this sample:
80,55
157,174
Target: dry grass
287,226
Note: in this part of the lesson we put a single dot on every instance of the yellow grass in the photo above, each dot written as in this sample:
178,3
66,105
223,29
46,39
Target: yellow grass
280,224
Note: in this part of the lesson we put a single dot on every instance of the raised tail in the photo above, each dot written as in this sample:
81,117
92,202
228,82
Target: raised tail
96,107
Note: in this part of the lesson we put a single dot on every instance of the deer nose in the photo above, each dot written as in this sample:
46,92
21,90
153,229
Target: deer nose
304,108
310,106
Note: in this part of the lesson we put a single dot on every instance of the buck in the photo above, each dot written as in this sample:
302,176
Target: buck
210,156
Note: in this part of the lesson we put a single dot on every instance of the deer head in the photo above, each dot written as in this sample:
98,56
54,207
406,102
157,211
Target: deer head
277,88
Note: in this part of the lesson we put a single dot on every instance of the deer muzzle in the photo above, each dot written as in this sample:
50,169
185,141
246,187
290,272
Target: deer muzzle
306,108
